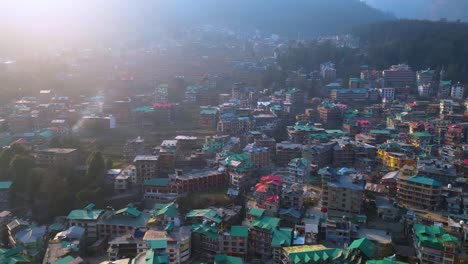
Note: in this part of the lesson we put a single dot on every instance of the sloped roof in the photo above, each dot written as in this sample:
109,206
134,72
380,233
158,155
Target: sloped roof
365,245
169,210
239,231
282,237
266,223
257,212
209,214
225,259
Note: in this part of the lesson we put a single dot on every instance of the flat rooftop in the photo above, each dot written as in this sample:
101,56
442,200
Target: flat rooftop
57,150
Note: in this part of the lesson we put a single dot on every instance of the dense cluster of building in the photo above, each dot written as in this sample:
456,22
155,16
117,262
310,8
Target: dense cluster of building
375,172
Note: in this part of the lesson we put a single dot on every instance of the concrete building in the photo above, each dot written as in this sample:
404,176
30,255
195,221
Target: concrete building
57,157
343,192
134,148
387,93
299,170
259,156
146,168
330,115
400,75
328,71
113,223
424,77
419,192
286,151
433,245
457,91
425,90
86,218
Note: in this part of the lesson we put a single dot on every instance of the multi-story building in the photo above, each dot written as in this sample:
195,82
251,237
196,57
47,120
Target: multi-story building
286,151
424,90
208,116
178,242
57,157
433,245
328,71
387,93
86,218
343,154
400,75
261,232
424,77
350,95
116,223
445,87
330,115
319,154
5,187
299,170
295,101
419,192
292,196
457,91
146,167
343,194
181,183
239,168
235,242
259,156
134,148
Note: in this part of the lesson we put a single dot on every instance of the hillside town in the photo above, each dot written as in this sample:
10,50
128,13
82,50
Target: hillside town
323,169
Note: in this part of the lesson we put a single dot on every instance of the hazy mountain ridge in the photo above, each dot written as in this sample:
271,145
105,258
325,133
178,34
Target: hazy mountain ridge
424,9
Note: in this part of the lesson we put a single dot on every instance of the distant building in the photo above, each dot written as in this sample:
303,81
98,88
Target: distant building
424,90
425,77
387,93
328,71
146,167
134,148
57,157
286,151
457,91
400,75
5,195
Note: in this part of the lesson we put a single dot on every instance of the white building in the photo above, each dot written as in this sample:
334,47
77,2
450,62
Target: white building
457,91
387,93
424,90
328,71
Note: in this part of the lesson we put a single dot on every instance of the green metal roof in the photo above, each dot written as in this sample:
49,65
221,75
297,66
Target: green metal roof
424,180
257,212
159,182
376,131
265,223
208,112
225,259
365,245
282,237
169,210
421,134
293,91
239,231
432,236
206,230
153,258
5,184
56,227
83,214
157,243
65,260
209,214
128,211
143,109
